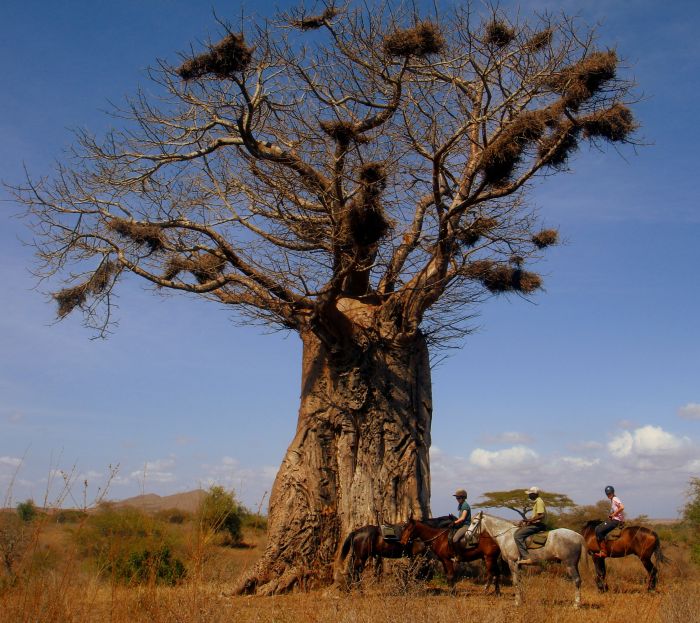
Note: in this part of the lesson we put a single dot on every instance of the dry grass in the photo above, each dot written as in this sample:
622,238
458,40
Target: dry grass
53,584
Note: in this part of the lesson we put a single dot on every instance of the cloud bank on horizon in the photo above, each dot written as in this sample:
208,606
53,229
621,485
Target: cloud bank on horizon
636,460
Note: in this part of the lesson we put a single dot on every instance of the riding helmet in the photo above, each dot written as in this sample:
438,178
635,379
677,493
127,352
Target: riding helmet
609,489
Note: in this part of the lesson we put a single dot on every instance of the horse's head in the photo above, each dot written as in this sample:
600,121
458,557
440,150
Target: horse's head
476,521
407,532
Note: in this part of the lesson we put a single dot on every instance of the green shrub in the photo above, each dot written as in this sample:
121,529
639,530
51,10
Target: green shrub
27,510
220,512
150,566
129,546
691,516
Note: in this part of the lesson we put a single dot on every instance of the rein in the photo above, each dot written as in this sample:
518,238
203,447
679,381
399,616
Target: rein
436,536
493,536
430,540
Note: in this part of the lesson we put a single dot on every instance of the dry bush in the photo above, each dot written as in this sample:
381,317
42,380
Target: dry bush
14,540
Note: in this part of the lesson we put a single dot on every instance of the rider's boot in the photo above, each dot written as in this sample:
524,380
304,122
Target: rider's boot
603,553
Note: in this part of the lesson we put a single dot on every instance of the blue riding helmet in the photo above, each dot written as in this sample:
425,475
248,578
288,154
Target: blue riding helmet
609,489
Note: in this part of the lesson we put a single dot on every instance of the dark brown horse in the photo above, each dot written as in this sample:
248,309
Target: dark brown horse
367,543
437,539
637,540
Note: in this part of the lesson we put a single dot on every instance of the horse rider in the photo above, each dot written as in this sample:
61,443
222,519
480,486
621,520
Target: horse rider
615,518
530,526
464,515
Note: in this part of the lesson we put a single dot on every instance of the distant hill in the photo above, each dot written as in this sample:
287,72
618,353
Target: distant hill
150,502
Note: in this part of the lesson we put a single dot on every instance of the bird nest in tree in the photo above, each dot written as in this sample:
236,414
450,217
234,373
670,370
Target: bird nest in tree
141,233
423,39
228,57
499,34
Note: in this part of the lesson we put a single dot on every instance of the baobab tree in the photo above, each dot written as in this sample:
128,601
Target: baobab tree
356,176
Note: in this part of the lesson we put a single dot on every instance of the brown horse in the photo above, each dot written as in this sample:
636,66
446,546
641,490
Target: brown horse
437,539
367,543
636,540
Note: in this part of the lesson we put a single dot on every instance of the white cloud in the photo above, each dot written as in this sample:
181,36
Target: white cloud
664,459
580,463
651,447
252,485
12,461
691,411
507,458
159,470
647,440
508,437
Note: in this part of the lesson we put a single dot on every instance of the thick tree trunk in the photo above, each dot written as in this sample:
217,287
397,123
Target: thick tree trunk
359,456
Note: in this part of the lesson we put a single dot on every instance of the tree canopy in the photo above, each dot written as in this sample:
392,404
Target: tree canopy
517,500
353,153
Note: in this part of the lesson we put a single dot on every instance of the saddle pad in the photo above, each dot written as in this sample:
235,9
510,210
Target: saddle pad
537,540
463,543
613,534
389,533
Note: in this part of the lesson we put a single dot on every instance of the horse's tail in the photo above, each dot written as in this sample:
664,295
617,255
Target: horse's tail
657,553
347,544
584,553
338,574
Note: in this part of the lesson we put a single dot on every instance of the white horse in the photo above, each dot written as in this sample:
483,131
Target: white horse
562,545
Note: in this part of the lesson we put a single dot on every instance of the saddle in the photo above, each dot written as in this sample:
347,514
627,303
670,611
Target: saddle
615,534
388,532
472,541
537,540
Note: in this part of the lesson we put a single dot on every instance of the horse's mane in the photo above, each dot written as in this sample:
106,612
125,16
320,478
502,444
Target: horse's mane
440,522
591,524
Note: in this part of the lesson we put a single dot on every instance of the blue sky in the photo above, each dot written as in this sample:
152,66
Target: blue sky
595,382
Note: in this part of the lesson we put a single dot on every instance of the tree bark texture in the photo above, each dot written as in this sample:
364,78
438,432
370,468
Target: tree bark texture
359,456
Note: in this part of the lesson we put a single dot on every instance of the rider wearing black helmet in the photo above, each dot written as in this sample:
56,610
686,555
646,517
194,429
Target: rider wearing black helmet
615,518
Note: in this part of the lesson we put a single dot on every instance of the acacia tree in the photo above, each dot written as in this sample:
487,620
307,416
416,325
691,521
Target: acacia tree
356,176
517,501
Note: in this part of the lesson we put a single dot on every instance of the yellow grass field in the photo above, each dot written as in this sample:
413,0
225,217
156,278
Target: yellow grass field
54,584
